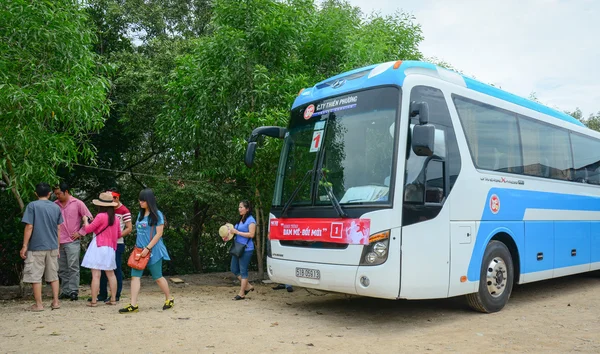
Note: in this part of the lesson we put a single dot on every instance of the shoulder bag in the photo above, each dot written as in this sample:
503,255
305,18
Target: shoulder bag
136,261
238,249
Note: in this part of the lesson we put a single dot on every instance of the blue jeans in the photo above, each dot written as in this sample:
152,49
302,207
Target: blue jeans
118,273
239,266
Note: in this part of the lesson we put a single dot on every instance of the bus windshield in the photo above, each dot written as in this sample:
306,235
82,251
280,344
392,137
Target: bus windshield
346,145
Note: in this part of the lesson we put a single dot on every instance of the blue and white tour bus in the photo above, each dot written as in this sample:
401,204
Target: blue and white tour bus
405,180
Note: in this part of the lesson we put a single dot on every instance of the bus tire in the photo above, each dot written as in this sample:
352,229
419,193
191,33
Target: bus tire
495,280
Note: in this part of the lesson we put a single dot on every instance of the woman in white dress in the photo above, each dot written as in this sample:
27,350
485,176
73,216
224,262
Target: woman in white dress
100,255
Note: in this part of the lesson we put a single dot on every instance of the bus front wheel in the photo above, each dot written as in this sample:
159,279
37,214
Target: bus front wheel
495,281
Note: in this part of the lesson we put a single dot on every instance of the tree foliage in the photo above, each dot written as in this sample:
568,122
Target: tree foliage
52,91
248,70
592,121
189,80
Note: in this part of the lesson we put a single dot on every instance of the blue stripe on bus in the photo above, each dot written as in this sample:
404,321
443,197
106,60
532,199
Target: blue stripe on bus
396,77
554,239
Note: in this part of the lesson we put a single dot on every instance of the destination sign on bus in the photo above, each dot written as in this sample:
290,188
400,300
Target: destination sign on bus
347,231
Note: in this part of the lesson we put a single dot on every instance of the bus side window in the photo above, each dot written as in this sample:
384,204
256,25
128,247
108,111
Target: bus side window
489,149
546,150
586,159
429,180
434,182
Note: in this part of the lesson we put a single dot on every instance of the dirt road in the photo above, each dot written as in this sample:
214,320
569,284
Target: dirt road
558,316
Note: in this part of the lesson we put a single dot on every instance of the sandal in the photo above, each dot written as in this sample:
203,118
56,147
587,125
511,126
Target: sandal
237,297
247,291
34,308
92,304
111,303
54,307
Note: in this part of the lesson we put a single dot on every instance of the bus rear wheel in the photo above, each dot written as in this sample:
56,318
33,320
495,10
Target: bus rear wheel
495,281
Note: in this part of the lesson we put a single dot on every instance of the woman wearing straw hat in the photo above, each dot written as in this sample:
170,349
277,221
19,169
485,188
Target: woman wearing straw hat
100,255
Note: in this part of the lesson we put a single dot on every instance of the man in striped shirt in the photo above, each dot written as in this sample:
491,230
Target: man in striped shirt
124,216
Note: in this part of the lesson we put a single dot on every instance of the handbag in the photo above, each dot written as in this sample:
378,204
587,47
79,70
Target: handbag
136,261
238,249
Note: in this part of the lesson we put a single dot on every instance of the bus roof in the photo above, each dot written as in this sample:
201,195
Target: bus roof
387,73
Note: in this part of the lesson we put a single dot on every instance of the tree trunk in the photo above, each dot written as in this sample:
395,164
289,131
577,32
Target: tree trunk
265,231
18,268
200,212
13,186
260,251
197,221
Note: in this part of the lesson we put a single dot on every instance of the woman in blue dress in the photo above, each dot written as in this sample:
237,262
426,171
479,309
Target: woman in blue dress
244,233
149,226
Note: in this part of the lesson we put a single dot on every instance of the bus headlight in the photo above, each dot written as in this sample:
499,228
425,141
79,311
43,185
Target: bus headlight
371,258
376,252
380,249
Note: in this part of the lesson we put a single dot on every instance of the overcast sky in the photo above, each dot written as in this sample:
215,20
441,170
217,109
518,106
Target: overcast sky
550,47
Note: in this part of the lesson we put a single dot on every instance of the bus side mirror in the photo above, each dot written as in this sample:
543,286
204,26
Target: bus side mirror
249,158
274,132
423,138
420,109
256,136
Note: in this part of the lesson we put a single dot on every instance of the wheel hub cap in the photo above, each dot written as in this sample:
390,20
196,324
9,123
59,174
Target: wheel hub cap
496,277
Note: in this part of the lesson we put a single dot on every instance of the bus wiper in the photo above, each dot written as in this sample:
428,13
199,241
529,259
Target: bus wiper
334,201
295,192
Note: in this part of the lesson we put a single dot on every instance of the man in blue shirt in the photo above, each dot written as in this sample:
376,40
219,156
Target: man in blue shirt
40,245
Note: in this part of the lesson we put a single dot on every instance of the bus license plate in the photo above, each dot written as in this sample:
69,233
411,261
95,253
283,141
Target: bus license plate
308,273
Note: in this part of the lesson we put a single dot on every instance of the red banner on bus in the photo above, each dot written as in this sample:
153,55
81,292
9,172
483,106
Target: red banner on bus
348,231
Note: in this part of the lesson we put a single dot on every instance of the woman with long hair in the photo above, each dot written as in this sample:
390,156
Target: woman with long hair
244,232
150,226
100,255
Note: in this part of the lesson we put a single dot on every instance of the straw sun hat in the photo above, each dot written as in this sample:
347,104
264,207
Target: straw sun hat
224,232
105,199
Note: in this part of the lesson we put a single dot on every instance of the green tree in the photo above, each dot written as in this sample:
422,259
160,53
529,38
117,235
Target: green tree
247,72
141,39
168,18
52,91
444,64
592,121
577,114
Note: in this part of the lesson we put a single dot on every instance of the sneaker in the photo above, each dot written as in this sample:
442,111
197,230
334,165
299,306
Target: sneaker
169,304
74,296
64,296
129,308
